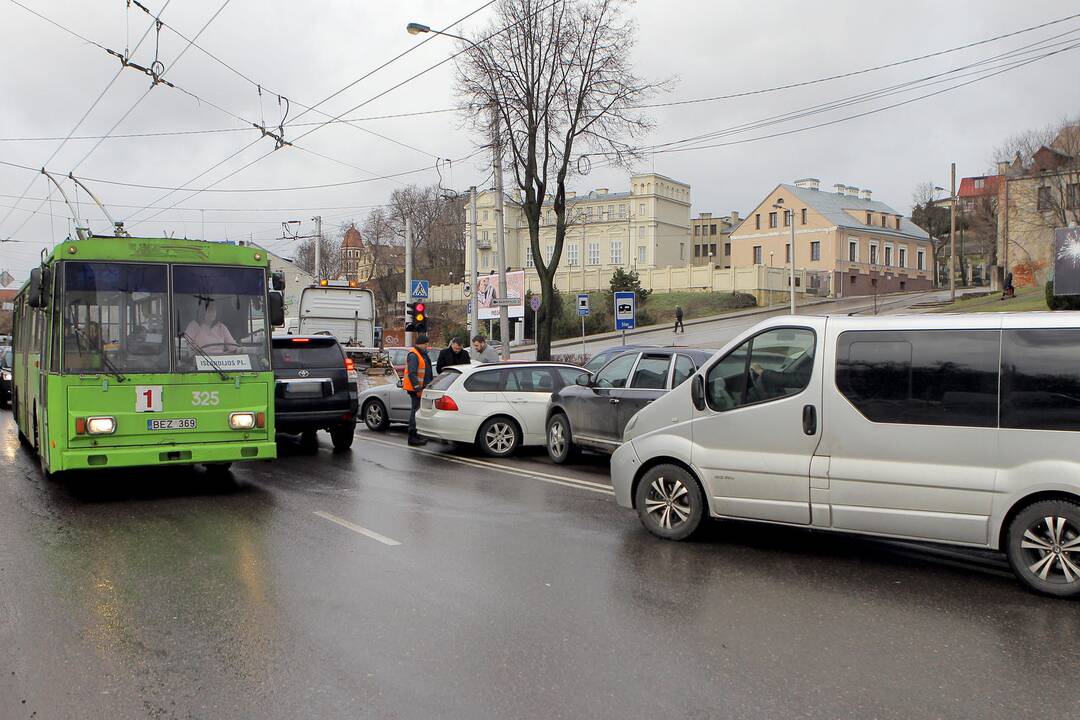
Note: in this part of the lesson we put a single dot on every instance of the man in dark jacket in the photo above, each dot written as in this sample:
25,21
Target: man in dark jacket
417,377
455,354
678,320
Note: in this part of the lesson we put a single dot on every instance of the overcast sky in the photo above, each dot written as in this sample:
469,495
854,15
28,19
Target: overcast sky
307,51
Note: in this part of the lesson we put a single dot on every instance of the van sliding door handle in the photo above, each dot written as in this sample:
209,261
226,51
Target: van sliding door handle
809,419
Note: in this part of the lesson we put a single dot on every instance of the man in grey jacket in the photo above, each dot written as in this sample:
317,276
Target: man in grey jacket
481,351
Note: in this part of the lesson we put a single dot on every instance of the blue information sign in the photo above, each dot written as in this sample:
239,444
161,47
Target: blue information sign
625,310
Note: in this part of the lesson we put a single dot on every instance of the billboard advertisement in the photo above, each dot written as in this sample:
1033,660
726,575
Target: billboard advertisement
1067,261
487,292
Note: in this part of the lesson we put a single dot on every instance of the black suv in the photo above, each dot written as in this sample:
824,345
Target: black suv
594,412
6,381
314,391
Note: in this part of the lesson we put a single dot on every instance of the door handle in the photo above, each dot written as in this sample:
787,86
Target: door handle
809,419
613,401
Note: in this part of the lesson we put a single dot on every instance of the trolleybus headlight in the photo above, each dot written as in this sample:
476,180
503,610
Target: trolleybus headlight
241,420
100,425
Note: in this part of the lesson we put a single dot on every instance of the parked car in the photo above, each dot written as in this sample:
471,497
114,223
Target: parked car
601,358
498,407
313,391
593,411
398,356
384,405
957,429
6,360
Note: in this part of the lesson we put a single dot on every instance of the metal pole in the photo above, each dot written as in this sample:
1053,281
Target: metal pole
500,248
318,247
583,338
408,275
791,219
952,233
474,316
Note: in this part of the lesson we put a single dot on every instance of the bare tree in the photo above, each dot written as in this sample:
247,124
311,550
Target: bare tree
931,217
558,77
329,255
438,223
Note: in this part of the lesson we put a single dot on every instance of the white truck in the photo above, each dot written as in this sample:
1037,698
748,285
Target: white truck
347,313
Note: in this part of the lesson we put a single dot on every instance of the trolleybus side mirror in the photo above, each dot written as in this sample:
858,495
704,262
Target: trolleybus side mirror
277,280
277,309
34,294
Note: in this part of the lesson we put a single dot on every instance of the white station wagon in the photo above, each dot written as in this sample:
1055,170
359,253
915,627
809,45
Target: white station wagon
498,406
961,429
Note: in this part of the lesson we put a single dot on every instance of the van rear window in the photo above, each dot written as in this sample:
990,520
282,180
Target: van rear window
921,377
1041,379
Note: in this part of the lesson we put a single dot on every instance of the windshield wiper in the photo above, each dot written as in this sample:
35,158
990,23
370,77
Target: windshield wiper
109,365
203,354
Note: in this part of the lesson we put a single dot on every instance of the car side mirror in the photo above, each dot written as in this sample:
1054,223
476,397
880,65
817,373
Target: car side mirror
277,308
584,380
697,391
34,294
400,383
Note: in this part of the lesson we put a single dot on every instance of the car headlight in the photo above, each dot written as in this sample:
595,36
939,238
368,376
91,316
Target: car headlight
100,425
242,420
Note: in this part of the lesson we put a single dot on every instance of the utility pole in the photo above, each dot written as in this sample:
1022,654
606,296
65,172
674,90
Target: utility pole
500,248
318,247
952,233
408,276
474,301
791,216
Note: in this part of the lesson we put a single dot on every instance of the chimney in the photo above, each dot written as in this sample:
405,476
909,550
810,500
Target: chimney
705,215
1002,167
808,183
839,188
601,191
735,219
852,191
867,194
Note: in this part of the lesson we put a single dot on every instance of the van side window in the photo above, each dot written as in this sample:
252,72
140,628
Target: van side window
775,364
1040,379
921,377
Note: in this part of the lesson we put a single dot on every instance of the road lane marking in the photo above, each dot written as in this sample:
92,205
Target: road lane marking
487,465
357,528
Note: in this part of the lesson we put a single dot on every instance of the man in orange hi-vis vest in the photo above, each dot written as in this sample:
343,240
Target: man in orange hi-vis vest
417,377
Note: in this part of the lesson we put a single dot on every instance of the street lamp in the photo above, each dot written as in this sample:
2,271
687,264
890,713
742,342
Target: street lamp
500,237
779,206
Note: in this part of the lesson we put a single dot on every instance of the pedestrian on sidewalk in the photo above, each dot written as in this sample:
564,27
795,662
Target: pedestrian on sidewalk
482,352
454,354
678,319
417,377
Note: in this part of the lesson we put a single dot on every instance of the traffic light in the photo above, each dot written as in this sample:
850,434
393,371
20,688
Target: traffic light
416,320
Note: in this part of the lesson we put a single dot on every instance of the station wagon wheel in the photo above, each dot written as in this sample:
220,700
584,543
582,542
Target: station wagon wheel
498,437
375,416
670,502
1044,547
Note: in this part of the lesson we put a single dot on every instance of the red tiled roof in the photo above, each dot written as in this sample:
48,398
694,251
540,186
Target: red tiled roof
989,186
352,239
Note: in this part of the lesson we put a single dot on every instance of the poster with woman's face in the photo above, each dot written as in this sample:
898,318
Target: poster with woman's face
487,289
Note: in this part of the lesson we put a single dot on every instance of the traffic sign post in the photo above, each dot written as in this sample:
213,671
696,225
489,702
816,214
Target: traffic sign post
420,290
583,311
534,303
625,311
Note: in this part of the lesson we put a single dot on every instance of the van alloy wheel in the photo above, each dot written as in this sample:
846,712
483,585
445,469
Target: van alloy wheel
1051,548
668,502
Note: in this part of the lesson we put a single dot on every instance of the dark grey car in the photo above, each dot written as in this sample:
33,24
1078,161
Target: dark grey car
594,412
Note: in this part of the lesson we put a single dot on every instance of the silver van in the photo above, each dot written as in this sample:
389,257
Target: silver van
961,429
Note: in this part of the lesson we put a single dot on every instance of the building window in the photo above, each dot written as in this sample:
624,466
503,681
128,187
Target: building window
485,216
697,230
1045,199
883,219
622,211
787,218
804,216
616,252
641,254
757,221
727,249
1072,195
815,250
897,222
772,219
549,250
697,250
853,251
787,252
712,228
888,255
757,255
593,257
869,219
641,209
572,254
980,183
589,213
641,233
903,257
873,253
528,256
921,257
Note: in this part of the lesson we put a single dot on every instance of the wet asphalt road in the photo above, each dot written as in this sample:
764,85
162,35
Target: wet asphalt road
518,590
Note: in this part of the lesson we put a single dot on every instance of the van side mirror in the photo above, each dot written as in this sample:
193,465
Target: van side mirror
35,293
584,380
697,391
277,308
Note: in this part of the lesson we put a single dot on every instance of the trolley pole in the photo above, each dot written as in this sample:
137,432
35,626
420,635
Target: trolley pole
318,247
408,278
952,233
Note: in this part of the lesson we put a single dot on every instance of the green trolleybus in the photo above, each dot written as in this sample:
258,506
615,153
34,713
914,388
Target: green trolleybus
145,351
